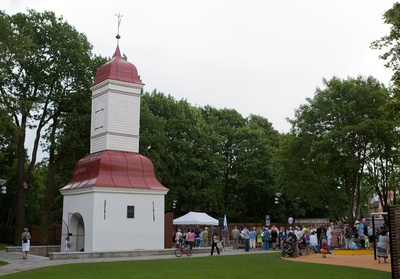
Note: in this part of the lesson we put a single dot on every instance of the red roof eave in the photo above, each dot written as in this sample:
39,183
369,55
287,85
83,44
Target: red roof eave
117,169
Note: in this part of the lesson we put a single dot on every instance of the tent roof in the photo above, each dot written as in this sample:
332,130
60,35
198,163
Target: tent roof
196,218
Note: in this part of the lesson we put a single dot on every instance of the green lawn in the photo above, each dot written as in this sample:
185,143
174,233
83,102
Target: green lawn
268,265
3,247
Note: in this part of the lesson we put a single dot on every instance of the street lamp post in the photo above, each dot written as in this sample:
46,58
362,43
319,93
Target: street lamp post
174,205
3,187
3,191
173,216
277,196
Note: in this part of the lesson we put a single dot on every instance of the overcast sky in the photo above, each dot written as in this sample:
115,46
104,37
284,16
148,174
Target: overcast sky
259,57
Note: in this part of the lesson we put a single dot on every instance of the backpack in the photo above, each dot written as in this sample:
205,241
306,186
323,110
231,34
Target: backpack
25,239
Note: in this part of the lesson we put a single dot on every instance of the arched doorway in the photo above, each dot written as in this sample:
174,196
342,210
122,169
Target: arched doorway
76,231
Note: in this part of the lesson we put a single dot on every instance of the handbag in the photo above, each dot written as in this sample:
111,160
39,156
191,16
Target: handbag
219,245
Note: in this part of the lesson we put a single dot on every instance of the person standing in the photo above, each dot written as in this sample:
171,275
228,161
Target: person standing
191,238
367,245
274,237
370,233
252,238
363,231
305,240
235,236
225,235
318,231
322,235
26,243
197,238
329,236
214,242
282,236
67,244
314,242
204,236
201,238
259,238
265,238
178,237
335,237
383,246
246,238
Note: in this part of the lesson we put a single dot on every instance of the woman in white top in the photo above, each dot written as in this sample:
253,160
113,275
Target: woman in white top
214,242
383,246
26,243
178,237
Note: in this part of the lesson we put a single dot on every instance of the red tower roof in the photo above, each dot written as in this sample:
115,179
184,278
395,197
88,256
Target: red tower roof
118,169
117,69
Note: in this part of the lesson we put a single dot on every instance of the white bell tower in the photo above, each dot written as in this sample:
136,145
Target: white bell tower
116,107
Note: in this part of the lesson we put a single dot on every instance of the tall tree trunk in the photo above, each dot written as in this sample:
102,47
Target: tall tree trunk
21,192
48,202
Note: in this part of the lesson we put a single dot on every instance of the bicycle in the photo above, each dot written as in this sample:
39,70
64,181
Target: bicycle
182,249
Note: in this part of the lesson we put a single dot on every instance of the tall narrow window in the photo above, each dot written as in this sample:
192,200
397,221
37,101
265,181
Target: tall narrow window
154,213
105,209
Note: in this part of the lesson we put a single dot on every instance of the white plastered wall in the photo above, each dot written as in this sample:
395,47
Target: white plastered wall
107,228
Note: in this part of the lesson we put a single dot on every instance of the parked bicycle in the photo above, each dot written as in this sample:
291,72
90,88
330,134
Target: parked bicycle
183,248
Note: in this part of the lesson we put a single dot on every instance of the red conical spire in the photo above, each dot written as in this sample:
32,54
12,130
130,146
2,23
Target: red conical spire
117,69
117,53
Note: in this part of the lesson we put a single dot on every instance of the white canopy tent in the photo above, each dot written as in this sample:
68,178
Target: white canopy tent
196,218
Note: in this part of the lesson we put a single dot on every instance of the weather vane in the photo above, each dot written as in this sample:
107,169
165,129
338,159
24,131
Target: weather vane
119,16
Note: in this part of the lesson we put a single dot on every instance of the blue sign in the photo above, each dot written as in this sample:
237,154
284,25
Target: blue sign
267,220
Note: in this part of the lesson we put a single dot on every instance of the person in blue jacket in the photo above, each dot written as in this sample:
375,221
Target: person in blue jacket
265,237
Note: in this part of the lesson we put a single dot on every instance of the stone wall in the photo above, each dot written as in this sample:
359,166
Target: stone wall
43,251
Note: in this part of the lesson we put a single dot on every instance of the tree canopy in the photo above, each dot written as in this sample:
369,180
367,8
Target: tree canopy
46,68
390,43
335,141
212,160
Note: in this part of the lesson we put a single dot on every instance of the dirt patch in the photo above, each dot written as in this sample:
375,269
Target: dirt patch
362,261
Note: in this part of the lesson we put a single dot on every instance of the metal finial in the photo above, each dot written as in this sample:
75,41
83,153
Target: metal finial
119,17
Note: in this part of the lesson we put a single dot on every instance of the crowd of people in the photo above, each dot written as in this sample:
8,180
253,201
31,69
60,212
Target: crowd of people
293,241
323,238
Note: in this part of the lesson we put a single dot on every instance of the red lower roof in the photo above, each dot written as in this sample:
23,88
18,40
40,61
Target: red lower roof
116,169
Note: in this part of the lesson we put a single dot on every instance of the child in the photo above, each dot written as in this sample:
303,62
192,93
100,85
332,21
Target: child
367,244
324,248
215,240
67,244
353,245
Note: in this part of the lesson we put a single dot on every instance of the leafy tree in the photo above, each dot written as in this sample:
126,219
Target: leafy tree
244,157
46,65
334,140
383,169
175,137
68,136
211,160
385,181
254,168
226,124
390,43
